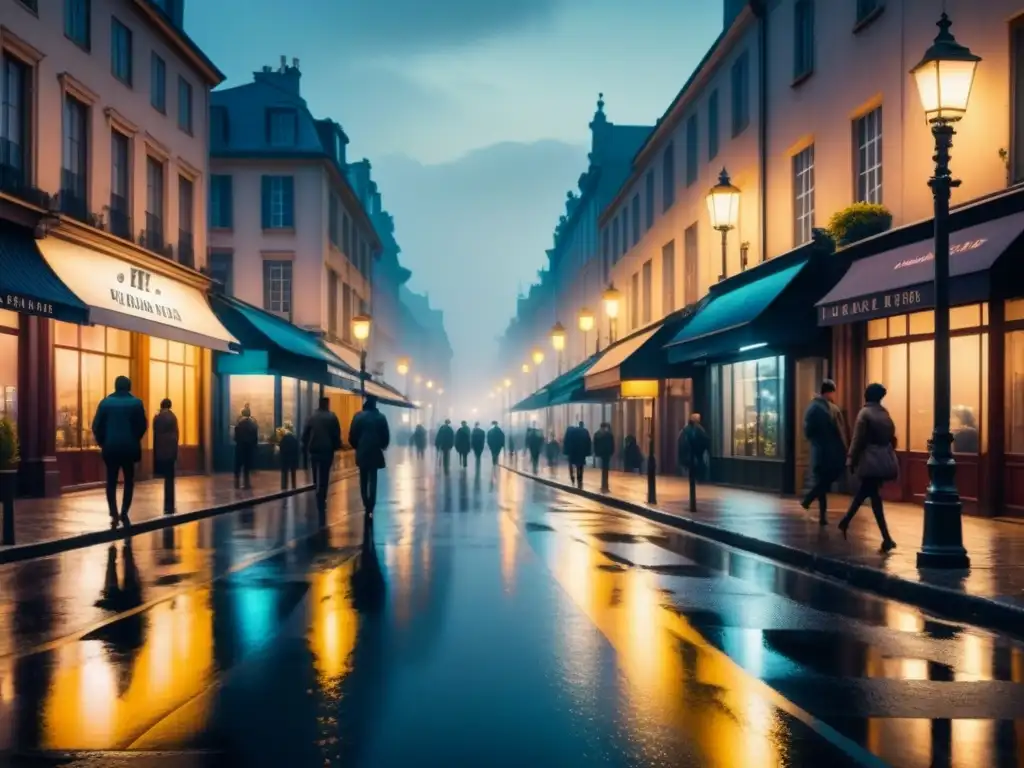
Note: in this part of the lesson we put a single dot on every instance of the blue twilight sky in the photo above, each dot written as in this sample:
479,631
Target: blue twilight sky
474,114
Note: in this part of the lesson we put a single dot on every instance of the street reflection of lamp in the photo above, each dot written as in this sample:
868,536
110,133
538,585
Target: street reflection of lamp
724,210
945,77
586,323
611,299
361,332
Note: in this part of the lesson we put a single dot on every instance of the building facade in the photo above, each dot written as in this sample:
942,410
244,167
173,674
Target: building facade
103,177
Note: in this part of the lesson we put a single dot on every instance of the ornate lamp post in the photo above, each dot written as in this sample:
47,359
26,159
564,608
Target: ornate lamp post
724,210
586,323
361,332
944,79
612,298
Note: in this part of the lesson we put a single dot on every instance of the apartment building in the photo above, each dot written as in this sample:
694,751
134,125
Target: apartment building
103,177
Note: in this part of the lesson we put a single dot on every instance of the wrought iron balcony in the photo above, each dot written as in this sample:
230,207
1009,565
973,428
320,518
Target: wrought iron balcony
153,235
120,223
72,196
186,251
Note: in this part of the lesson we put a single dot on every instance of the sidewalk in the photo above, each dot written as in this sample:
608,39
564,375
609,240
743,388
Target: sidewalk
992,592
46,526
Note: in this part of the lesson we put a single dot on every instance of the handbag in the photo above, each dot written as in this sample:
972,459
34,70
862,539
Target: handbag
879,462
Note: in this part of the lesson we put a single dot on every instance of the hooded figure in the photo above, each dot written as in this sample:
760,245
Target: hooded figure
419,440
118,428
370,436
534,446
444,442
495,441
462,443
604,449
477,441
165,450
577,448
247,437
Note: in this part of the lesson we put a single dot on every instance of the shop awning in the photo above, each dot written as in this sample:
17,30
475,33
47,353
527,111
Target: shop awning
567,388
385,394
733,319
638,356
901,280
27,283
122,295
535,402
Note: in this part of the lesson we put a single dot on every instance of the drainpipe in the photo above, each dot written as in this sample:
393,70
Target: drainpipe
760,9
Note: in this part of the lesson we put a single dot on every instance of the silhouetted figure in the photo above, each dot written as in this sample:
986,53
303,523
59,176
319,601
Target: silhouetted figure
632,457
477,441
495,442
289,452
691,447
165,450
463,439
419,440
578,446
444,442
369,436
567,442
965,439
604,449
247,437
118,428
511,449
551,451
321,439
873,459
534,446
824,429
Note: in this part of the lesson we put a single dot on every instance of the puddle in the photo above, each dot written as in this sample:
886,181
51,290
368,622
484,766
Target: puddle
688,571
538,527
618,538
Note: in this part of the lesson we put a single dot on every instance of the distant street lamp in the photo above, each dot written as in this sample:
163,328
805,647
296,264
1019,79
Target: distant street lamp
526,368
558,342
611,298
944,79
430,383
724,210
403,371
361,331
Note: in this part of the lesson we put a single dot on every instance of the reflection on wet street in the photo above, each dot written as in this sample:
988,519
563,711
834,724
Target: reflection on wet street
480,620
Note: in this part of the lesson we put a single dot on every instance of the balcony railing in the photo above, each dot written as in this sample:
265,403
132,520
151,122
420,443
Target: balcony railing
120,223
153,235
186,252
72,196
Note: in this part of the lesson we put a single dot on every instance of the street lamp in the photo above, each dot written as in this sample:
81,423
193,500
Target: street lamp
586,322
724,210
526,368
944,79
430,383
611,298
361,331
403,371
558,342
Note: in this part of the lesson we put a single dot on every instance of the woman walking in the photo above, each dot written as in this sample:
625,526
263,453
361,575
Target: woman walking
872,458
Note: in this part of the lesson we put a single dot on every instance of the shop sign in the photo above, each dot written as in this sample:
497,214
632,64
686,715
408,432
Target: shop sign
25,304
877,305
143,296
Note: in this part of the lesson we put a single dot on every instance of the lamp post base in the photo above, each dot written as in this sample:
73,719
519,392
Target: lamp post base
942,544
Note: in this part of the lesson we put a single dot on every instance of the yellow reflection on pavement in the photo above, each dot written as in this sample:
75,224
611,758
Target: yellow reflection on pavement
509,532
333,622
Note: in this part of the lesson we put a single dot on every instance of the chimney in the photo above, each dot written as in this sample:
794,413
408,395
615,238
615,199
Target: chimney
284,78
284,64
295,63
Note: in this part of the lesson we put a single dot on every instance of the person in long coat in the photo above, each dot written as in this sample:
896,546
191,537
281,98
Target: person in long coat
496,442
444,442
165,450
477,441
604,449
419,440
578,450
118,428
567,444
534,446
462,444
370,436
247,437
823,428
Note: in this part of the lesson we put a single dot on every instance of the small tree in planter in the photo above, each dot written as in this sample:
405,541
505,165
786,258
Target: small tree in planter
859,221
9,456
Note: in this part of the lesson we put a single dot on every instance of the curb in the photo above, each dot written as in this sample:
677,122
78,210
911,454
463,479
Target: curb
942,601
17,553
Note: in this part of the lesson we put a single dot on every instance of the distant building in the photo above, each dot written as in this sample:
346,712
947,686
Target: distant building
430,352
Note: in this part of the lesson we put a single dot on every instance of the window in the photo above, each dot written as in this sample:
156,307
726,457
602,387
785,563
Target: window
868,138
668,178
255,392
803,34
634,301
9,370
648,287
650,199
866,8
158,83
713,125
751,396
346,313
73,182
668,277
87,360
120,51
154,204
77,21
332,301
692,145
624,215
691,286
174,374
606,249
616,239
221,202
277,287
186,219
740,77
1014,392
333,205
282,127
278,202
803,196
120,184
15,129
184,105
346,235
222,269
636,218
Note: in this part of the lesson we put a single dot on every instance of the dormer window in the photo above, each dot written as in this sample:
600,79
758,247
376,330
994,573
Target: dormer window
282,127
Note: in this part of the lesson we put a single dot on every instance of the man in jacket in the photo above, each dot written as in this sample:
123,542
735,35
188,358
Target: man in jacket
118,427
165,450
289,453
444,442
567,443
477,441
419,440
824,429
462,444
370,436
495,442
535,446
321,438
577,451
247,437
691,446
604,449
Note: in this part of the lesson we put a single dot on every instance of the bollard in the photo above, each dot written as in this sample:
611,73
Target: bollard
8,482
169,480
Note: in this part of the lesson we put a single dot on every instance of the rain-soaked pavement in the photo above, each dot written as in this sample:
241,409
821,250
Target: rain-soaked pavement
481,620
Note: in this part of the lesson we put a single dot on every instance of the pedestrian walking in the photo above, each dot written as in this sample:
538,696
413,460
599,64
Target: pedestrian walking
477,441
604,449
444,442
873,460
289,452
370,436
824,429
419,440
247,437
511,448
118,428
462,444
578,446
551,451
495,442
535,446
567,444
165,450
691,449
321,439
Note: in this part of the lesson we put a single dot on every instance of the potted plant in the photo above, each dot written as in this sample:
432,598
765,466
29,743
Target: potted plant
859,221
8,475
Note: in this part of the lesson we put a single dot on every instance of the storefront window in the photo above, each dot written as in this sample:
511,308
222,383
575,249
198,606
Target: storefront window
256,392
1015,391
290,402
8,319
87,360
752,397
9,375
174,374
